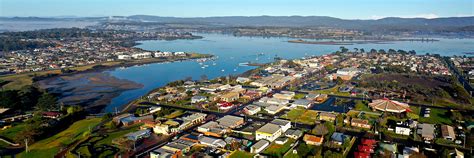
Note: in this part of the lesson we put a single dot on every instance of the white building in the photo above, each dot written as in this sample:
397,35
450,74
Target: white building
402,130
268,132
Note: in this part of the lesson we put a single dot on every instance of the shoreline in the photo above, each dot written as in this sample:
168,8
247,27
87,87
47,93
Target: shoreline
30,78
353,42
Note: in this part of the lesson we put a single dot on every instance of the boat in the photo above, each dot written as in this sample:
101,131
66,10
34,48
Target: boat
203,67
214,64
235,69
222,70
244,64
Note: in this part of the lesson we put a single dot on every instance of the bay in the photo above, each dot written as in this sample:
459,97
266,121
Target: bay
232,50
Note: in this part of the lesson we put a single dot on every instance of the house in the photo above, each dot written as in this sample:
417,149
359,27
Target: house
230,96
212,128
269,132
426,131
293,133
134,136
313,140
274,109
361,123
339,138
321,98
448,132
212,142
281,140
230,121
223,105
326,116
259,146
284,124
198,98
304,103
242,80
284,95
124,57
51,114
252,109
154,109
402,130
161,129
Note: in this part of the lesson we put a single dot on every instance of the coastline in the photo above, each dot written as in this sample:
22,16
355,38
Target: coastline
16,81
353,42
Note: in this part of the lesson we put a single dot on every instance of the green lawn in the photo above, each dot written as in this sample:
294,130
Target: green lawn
301,115
50,146
278,150
174,114
333,91
361,106
241,154
437,116
299,96
11,132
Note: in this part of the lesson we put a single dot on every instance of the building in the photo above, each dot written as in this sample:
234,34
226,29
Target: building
304,103
268,132
242,80
426,131
448,132
284,124
212,142
252,109
326,116
259,146
230,96
402,130
197,99
281,140
230,121
313,140
124,57
387,105
339,138
134,136
284,95
361,123
161,129
293,133
274,109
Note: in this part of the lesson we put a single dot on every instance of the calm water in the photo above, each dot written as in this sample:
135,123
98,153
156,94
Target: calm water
234,50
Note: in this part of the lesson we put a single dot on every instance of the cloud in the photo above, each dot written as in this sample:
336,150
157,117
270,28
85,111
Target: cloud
427,16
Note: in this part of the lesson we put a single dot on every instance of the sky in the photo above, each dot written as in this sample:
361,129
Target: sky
346,9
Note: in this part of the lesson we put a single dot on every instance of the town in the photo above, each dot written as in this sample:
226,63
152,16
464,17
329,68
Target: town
316,106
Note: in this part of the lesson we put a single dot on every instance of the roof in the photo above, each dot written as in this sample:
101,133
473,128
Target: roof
426,130
280,122
447,131
312,138
302,102
2,110
261,144
389,105
269,128
336,136
229,120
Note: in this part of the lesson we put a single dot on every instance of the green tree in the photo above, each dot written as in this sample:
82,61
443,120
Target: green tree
46,102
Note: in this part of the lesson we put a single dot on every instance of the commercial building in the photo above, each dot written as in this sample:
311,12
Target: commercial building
268,132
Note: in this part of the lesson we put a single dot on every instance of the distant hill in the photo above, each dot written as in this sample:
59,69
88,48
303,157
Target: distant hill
385,24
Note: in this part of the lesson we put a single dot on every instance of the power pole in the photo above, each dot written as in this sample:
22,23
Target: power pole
26,144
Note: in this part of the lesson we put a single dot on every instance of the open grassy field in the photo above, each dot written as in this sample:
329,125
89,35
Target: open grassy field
279,150
175,114
241,154
437,116
301,115
11,132
102,143
50,146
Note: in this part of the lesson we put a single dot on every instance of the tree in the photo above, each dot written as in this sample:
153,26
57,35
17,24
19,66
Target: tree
8,99
339,81
46,102
73,109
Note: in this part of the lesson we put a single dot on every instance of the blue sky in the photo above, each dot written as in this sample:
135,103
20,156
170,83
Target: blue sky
347,9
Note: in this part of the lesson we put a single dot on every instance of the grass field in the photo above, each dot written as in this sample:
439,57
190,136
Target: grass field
279,150
361,106
334,91
301,116
175,114
437,116
50,146
11,132
241,154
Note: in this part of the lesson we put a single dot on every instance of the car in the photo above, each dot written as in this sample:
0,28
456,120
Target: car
458,142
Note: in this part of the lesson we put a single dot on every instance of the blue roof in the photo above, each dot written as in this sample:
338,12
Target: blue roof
336,136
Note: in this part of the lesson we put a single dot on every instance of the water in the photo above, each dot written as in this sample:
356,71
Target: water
234,50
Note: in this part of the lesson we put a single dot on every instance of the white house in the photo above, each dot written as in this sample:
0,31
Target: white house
402,130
